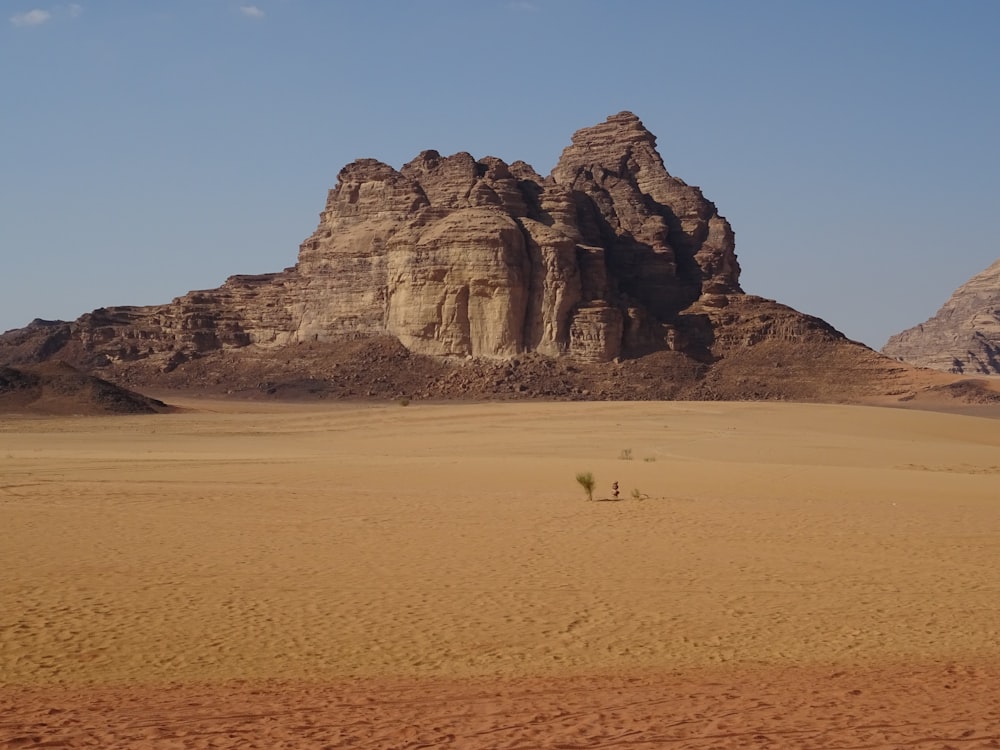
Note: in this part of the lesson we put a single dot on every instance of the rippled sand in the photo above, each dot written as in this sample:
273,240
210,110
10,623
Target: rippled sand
432,576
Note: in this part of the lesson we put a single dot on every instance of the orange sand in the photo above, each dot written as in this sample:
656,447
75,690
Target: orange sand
432,576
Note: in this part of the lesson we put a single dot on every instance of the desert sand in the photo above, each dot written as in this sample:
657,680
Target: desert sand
423,576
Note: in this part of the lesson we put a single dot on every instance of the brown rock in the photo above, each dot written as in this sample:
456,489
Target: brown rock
964,335
456,277
658,223
596,333
458,257
58,388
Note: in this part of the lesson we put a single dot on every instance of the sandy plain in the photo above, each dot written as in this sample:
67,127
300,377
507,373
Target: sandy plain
381,576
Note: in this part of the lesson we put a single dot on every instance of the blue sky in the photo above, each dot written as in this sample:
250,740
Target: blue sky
151,148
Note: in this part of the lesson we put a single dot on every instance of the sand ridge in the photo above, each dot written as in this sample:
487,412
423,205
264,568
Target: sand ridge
442,546
901,706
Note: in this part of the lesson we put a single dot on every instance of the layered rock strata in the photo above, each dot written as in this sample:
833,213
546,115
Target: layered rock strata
964,336
457,257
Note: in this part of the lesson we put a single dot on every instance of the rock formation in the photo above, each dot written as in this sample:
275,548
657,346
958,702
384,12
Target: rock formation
58,388
456,277
461,257
964,336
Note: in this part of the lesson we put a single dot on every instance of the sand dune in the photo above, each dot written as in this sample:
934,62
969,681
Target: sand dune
432,576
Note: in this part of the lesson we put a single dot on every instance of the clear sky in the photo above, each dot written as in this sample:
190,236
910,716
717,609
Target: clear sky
152,147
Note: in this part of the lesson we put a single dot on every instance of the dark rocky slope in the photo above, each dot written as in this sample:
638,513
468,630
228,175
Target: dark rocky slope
58,388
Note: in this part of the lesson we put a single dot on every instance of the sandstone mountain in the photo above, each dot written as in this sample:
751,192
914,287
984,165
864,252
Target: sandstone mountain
458,277
964,335
455,256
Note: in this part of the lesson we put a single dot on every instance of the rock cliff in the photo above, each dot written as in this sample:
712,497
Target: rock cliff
964,336
457,277
456,256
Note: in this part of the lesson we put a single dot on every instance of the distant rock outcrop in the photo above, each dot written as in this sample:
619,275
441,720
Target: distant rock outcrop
964,336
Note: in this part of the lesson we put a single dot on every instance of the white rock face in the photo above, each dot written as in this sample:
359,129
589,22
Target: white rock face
462,287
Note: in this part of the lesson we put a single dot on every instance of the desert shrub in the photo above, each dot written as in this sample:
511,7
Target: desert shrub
586,480
625,455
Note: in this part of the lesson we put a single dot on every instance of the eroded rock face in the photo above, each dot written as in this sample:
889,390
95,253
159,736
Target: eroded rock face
461,286
667,244
457,256
964,335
